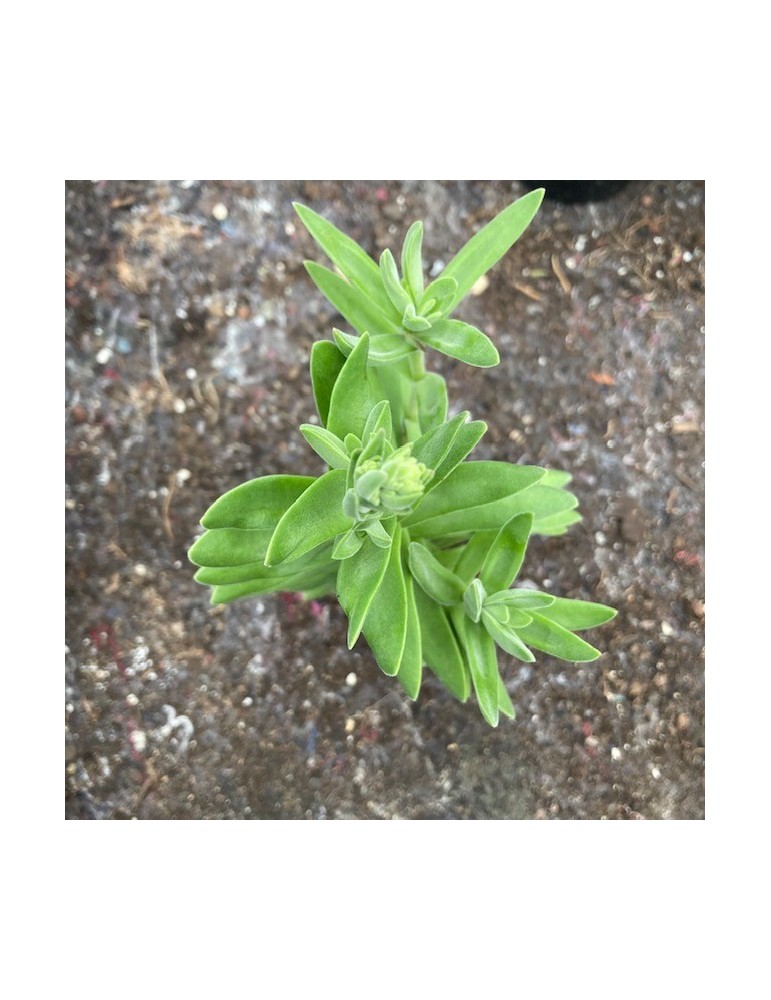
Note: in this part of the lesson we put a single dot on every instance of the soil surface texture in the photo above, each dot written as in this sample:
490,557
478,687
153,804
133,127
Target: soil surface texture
189,321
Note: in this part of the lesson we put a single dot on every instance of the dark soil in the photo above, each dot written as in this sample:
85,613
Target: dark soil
189,323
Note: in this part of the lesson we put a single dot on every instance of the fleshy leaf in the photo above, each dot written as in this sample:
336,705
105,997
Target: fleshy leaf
438,582
352,397
323,580
483,664
506,554
327,445
431,393
385,626
229,546
326,363
412,261
260,503
411,666
556,524
360,311
557,641
464,443
506,638
357,584
357,266
385,349
315,517
379,416
442,290
347,545
472,555
461,341
471,498
393,286
440,647
432,447
487,246
577,615
524,599
473,599
504,701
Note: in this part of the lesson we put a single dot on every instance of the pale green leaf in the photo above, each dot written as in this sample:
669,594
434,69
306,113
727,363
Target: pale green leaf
327,445
315,517
551,638
357,584
577,615
326,363
393,286
461,341
506,638
260,503
490,244
463,444
440,647
438,582
506,554
360,311
483,664
357,266
230,546
385,626
412,260
411,666
353,396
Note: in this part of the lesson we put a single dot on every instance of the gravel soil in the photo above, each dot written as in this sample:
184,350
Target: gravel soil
189,321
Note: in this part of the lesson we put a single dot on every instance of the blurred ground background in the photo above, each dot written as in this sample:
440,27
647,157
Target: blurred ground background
189,323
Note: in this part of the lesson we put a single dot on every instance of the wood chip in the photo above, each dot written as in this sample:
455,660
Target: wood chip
685,427
567,288
528,290
602,378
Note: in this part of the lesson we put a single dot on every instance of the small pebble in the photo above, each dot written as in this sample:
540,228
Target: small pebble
191,373
350,725
220,212
247,702
351,680
655,773
131,699
140,569
480,285
667,629
615,753
103,356
179,406
183,475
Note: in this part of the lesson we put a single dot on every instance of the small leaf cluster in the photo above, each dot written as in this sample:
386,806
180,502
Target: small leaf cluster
420,544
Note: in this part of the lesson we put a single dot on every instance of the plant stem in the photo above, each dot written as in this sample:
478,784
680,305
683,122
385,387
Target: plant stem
416,369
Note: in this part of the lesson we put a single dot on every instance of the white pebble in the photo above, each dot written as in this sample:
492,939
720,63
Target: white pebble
104,356
138,740
179,406
666,628
351,680
131,699
191,373
140,569
615,753
480,285
247,702
655,773
220,212
183,475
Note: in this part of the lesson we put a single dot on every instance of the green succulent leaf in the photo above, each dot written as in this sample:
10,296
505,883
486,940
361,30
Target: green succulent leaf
414,323
506,554
524,599
467,438
432,447
327,445
384,349
411,666
412,260
472,555
352,397
577,615
551,638
359,309
353,262
431,393
321,580
378,534
229,546
556,524
379,417
347,545
315,517
393,286
483,664
260,503
505,705
440,647
556,478
506,637
439,583
326,364
490,244
385,626
357,583
442,292
473,599
461,341
476,496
